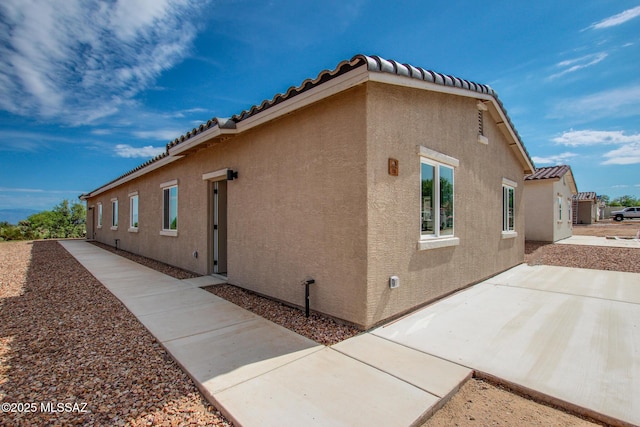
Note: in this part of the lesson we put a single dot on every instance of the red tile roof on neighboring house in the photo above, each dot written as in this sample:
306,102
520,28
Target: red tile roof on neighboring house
550,172
586,195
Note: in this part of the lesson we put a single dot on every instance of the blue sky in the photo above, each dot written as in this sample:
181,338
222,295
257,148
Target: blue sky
91,89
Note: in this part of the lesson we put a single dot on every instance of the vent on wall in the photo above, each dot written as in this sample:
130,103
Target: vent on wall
481,109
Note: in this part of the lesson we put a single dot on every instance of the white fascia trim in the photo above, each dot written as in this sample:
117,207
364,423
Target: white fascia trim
325,90
395,79
510,183
218,175
438,243
437,156
200,138
145,170
171,183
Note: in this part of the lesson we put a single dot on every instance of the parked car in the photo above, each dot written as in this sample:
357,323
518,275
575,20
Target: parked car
626,213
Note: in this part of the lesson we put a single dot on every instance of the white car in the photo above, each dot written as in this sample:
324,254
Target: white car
626,213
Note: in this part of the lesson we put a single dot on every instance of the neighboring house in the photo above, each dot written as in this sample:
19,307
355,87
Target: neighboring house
586,208
548,196
389,185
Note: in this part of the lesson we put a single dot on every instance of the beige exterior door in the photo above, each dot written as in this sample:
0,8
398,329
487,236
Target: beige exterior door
219,225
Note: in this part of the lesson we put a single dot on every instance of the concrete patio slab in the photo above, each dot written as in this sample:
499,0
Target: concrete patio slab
226,357
577,348
613,285
181,322
437,376
600,241
326,388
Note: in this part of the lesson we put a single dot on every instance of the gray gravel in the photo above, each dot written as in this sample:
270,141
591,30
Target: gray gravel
65,339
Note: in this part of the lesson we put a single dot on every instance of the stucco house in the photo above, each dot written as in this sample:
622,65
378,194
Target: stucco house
586,208
389,185
548,196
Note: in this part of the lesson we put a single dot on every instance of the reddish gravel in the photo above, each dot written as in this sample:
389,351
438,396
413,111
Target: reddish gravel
593,257
65,339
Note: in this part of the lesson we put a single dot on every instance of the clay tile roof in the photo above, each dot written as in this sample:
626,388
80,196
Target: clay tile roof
586,195
373,63
551,172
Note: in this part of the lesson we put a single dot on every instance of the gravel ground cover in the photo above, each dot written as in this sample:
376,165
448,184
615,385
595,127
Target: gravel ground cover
118,391
72,354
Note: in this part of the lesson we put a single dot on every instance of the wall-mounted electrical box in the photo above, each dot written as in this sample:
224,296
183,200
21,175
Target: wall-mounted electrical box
394,282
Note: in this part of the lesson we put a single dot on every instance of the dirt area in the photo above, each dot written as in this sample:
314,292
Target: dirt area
480,403
66,340
626,228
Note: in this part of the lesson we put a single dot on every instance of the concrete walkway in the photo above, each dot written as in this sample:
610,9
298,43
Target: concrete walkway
571,334
260,374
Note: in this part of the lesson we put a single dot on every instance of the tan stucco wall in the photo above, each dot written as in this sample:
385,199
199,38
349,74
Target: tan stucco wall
541,205
297,209
314,199
399,120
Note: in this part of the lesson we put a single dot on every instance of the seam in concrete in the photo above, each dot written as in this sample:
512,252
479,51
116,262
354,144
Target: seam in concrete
567,293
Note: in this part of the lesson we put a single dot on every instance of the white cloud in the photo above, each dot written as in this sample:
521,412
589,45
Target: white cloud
125,150
159,134
621,102
557,159
618,19
574,138
78,61
627,154
573,65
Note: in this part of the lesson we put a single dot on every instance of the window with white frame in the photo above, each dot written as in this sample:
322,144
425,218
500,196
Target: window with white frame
133,211
114,214
99,215
436,199
170,207
508,207
559,208
569,212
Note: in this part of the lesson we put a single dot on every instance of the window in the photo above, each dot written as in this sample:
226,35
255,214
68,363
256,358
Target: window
437,199
133,212
508,210
570,214
559,208
170,208
99,215
114,216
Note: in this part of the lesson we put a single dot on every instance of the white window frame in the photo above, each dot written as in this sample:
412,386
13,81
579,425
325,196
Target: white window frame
114,213
99,214
559,200
133,225
166,189
436,159
508,232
